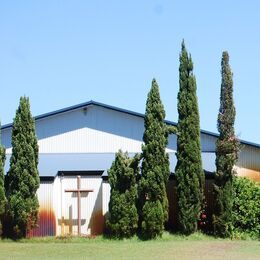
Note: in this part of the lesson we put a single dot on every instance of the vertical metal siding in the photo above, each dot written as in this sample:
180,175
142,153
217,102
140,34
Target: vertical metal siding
57,203
98,130
6,139
47,219
248,164
87,140
208,143
249,158
105,198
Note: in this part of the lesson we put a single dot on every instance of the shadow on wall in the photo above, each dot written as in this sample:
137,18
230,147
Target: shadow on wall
97,220
67,224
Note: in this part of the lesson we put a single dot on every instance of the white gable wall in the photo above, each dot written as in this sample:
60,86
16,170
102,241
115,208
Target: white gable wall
95,130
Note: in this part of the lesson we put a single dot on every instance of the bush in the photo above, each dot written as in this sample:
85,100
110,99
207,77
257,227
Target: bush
246,207
123,219
153,222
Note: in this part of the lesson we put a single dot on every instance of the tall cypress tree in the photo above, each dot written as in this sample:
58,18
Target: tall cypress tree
189,172
23,176
2,189
123,220
155,167
227,148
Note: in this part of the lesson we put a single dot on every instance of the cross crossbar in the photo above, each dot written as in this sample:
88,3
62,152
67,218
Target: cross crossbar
79,190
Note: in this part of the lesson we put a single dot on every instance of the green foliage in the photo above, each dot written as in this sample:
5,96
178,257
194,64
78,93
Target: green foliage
123,221
246,207
155,167
23,176
189,173
2,189
227,148
153,222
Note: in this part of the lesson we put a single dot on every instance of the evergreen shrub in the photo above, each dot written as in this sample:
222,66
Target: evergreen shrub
246,206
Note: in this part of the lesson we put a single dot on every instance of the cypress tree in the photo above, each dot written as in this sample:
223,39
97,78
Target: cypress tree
189,172
227,148
123,220
23,176
2,189
155,167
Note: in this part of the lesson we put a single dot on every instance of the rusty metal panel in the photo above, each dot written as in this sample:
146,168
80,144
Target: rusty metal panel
47,220
251,174
57,203
248,164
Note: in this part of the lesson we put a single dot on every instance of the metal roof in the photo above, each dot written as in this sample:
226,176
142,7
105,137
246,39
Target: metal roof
95,103
53,164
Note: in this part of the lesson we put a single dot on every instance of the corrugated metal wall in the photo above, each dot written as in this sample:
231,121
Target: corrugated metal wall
97,130
249,162
47,219
105,198
249,158
87,140
94,206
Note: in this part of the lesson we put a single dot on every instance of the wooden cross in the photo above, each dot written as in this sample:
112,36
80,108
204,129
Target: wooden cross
79,191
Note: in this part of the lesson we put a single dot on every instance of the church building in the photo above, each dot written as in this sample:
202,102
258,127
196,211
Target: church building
76,148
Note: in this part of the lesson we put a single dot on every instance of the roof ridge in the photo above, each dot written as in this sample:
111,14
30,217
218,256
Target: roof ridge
122,110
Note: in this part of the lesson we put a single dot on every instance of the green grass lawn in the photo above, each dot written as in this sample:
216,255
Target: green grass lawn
168,247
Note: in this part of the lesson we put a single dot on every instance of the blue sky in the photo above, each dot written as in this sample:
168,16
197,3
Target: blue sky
60,53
